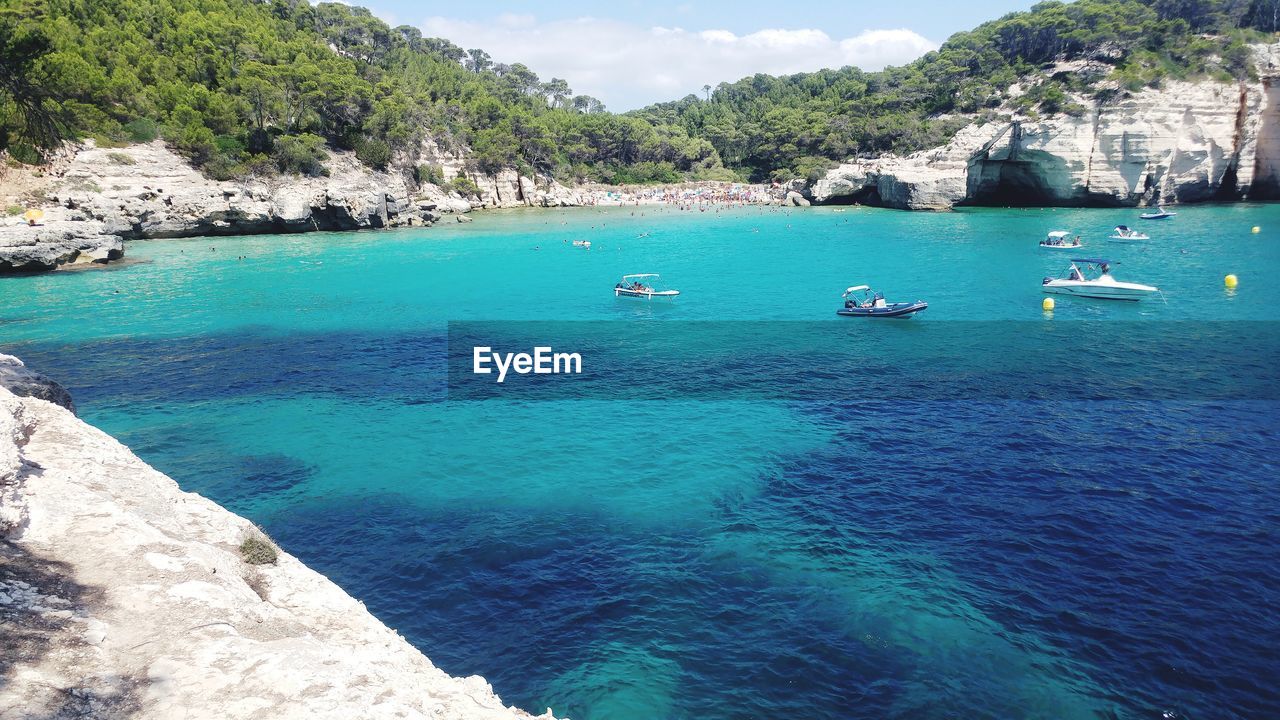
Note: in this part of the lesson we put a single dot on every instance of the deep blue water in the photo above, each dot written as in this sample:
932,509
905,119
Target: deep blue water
855,553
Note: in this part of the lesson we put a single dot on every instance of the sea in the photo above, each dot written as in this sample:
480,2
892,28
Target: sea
744,505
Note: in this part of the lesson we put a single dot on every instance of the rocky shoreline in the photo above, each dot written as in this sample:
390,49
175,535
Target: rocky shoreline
122,595
1182,143
1185,142
94,199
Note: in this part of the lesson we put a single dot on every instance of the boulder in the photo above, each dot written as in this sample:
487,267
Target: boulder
795,199
22,381
24,248
432,197
291,208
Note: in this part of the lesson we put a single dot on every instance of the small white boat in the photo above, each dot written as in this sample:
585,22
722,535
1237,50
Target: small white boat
1057,240
582,244
1103,286
1124,232
640,286
1159,214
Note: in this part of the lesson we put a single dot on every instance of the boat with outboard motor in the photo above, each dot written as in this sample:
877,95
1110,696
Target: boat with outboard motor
1159,214
862,301
640,286
1103,286
1124,232
1057,240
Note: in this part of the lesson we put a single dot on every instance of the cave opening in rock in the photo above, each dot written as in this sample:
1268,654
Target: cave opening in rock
868,195
1013,183
1228,190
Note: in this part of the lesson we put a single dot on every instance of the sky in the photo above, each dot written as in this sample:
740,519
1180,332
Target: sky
630,53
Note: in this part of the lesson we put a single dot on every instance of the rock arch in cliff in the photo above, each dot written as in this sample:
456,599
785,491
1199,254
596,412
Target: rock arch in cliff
1004,172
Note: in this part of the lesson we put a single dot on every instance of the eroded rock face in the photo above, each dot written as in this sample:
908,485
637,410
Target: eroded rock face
25,249
123,596
148,191
22,381
1266,175
1184,142
506,189
891,182
794,199
509,189
928,180
103,196
1187,142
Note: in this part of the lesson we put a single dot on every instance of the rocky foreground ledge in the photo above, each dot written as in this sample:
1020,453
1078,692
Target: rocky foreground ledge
123,596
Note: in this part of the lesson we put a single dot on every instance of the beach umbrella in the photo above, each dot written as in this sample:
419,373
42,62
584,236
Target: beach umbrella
33,215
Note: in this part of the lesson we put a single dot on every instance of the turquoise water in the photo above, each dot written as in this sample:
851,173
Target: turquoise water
722,557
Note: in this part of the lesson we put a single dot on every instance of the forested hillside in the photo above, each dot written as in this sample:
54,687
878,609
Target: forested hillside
790,125
242,86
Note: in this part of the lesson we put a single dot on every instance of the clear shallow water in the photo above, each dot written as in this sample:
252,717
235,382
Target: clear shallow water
722,557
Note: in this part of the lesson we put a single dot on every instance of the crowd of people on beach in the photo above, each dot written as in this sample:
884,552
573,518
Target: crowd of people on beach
710,194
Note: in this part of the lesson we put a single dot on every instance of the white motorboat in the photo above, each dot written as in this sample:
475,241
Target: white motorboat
1124,232
1159,214
641,286
1057,240
1079,283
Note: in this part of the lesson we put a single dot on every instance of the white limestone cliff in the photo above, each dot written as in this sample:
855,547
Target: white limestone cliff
149,191
506,189
44,247
123,596
94,198
1183,142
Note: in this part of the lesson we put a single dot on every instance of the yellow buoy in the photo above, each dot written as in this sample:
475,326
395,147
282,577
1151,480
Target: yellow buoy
1230,281
1047,305
1256,229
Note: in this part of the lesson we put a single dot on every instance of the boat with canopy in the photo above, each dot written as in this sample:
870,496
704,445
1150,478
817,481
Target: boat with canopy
862,301
641,285
1057,240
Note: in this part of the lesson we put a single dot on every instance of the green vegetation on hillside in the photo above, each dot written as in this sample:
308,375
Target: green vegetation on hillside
260,86
241,86
791,126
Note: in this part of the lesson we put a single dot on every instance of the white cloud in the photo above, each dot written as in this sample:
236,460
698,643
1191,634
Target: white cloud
514,20
715,36
629,66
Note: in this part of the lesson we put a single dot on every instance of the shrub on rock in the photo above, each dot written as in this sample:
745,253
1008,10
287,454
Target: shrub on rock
257,551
